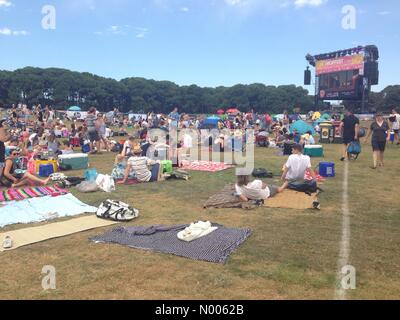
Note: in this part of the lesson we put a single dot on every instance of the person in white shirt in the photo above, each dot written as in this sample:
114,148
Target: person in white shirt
108,133
256,190
296,167
395,119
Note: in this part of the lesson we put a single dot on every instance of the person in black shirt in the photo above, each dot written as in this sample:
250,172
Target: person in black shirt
350,127
380,131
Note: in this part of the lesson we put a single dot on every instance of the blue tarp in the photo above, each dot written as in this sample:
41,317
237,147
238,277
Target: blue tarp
212,121
301,127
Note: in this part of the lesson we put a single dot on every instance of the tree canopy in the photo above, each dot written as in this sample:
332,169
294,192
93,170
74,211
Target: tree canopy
62,88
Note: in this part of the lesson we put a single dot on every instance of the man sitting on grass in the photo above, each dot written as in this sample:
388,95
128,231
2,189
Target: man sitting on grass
139,165
296,167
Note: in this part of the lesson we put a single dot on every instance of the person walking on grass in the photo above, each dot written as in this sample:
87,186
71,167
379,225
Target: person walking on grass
380,132
92,130
350,127
395,119
101,125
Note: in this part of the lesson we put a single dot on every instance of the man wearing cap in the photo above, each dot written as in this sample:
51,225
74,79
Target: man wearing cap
296,167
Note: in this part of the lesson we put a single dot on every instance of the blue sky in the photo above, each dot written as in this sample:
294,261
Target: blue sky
203,42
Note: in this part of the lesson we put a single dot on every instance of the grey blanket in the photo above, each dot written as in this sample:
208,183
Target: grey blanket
214,247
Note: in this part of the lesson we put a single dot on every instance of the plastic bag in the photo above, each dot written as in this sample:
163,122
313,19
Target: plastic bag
87,186
105,183
91,175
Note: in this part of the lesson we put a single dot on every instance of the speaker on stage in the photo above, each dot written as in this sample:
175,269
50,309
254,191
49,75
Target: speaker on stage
372,72
307,77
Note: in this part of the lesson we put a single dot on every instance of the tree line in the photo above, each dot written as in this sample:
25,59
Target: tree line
383,101
62,88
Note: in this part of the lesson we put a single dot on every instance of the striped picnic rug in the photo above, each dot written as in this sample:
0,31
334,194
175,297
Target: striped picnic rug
30,192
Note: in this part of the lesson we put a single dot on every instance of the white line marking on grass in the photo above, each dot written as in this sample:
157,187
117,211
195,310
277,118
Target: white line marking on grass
340,292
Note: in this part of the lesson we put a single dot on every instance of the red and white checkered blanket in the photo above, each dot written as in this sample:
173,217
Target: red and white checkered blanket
207,166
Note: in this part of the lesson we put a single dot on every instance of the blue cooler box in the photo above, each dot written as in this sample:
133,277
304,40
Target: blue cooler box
45,170
77,161
327,169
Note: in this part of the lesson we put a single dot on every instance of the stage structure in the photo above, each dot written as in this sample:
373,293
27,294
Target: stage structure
345,74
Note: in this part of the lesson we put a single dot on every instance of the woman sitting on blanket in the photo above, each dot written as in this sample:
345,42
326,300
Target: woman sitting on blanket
126,150
139,165
256,190
15,178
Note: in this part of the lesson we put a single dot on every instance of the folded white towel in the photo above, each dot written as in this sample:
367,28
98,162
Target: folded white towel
196,231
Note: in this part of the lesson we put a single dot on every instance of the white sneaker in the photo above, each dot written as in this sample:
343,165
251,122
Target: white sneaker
7,243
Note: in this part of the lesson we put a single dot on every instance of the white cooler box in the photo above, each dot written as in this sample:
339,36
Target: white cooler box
76,161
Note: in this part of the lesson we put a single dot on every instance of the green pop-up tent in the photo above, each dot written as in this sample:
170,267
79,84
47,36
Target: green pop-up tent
301,127
75,109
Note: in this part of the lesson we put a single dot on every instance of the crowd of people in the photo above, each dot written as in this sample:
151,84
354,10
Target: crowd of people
32,132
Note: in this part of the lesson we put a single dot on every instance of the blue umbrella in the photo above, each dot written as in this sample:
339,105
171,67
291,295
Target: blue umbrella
75,108
212,121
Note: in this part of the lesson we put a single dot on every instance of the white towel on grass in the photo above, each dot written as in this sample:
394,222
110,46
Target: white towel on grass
196,231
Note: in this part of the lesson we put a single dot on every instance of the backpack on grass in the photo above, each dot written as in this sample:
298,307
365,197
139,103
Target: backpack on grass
262,173
306,186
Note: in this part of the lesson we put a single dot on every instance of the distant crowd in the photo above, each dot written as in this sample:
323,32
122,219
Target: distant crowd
32,132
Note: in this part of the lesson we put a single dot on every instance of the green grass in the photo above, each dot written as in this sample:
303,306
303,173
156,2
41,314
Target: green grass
291,254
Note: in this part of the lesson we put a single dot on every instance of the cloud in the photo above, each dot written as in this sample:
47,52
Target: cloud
184,9
5,3
141,32
236,3
116,30
309,3
16,33
6,32
20,33
383,13
123,31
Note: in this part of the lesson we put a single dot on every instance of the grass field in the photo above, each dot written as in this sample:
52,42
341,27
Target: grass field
290,255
